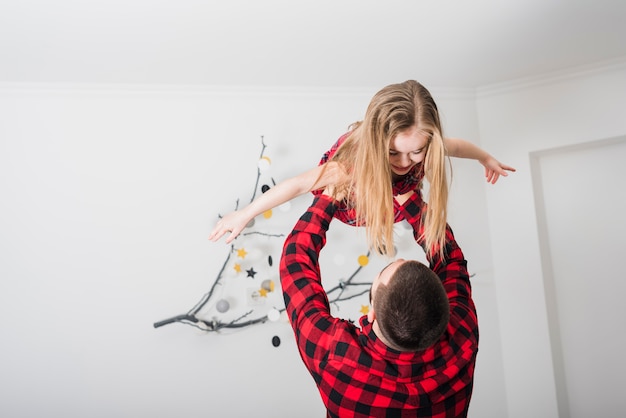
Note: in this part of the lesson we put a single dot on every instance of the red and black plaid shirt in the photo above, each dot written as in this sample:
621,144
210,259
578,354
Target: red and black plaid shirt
357,374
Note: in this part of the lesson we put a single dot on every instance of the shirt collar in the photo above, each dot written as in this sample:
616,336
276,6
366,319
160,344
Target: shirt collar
409,182
375,344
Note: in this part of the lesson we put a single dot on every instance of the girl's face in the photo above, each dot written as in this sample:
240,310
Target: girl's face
406,150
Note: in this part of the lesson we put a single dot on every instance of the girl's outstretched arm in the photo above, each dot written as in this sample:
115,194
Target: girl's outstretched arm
460,148
284,191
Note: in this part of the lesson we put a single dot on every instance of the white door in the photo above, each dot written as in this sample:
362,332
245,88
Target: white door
581,208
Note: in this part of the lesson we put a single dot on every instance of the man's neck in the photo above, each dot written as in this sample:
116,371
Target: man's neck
380,336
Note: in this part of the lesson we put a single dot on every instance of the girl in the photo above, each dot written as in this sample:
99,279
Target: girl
400,139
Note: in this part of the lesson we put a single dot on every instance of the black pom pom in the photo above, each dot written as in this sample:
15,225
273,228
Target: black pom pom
275,341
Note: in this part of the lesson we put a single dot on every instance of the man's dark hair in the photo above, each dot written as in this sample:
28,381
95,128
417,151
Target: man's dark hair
412,310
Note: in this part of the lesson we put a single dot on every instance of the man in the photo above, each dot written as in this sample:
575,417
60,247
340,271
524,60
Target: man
415,351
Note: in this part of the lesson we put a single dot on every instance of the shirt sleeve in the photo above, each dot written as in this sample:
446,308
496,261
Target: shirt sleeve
306,301
328,155
451,268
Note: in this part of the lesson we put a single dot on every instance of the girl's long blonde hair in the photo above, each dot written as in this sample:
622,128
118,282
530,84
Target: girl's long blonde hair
365,156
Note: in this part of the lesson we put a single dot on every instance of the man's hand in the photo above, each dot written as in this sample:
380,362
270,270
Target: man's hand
330,191
402,198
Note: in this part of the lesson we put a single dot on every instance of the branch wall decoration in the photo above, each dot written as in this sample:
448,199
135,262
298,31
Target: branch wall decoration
251,267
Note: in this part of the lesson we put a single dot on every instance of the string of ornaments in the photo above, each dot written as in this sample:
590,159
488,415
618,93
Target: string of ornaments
257,300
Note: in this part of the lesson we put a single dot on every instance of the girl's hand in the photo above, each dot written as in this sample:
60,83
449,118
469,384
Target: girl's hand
494,169
234,223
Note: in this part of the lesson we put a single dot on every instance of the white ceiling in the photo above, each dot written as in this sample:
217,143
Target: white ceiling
329,43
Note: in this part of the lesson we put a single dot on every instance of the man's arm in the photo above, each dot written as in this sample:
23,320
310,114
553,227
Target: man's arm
452,269
306,302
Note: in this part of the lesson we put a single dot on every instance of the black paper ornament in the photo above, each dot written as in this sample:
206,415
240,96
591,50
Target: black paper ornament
275,341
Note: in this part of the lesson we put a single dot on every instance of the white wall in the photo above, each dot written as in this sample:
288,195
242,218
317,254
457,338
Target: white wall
107,196
515,121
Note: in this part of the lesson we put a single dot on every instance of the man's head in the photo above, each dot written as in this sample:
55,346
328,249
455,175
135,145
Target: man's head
410,308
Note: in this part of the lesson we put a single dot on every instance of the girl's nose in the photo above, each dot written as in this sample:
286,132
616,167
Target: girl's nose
405,159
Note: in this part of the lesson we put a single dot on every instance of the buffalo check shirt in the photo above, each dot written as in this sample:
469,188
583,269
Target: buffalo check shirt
357,374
